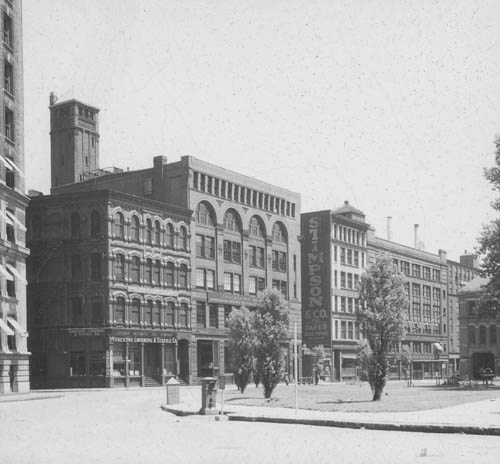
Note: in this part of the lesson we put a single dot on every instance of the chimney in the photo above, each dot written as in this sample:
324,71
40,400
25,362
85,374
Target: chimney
389,218
415,235
52,99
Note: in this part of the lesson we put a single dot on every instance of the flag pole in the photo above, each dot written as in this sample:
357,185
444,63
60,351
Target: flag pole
295,373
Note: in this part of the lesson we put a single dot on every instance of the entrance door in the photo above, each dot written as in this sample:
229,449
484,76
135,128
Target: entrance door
205,358
482,361
152,360
183,354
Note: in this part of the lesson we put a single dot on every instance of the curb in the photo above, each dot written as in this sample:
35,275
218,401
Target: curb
178,412
389,426
21,398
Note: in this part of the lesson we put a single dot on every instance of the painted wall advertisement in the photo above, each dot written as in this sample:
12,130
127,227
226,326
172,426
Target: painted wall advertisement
316,279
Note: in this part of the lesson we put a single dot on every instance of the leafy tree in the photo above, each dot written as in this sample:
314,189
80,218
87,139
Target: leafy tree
242,344
271,331
381,317
489,247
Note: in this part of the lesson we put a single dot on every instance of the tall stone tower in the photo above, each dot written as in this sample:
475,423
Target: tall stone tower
14,355
74,141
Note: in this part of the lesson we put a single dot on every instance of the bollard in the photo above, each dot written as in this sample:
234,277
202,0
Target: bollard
173,391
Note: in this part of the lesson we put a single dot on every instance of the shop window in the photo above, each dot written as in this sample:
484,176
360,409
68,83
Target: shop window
97,363
95,224
77,364
134,360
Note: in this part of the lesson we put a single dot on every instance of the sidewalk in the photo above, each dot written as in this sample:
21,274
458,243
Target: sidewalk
29,396
478,418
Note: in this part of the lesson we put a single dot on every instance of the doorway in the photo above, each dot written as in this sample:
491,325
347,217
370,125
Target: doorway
184,360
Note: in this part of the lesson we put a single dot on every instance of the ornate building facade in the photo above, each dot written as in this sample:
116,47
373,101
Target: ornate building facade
109,292
14,355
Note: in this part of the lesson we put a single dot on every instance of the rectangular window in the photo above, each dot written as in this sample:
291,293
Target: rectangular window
282,262
7,30
415,270
7,76
227,313
9,124
201,314
342,255
200,278
342,280
349,257
349,280
343,304
252,285
213,316
120,268
350,333
236,283
427,273
228,282
236,253
356,258
405,267
232,252
343,330
436,275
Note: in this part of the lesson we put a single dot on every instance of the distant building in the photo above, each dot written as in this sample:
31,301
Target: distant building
14,355
479,347
337,246
244,233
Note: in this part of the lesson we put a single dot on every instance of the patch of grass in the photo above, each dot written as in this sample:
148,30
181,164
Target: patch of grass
397,397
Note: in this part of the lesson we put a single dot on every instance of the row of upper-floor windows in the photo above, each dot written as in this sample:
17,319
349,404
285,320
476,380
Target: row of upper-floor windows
8,31
424,293
478,335
346,330
244,195
348,280
232,222
348,256
420,347
349,235
151,232
418,271
425,328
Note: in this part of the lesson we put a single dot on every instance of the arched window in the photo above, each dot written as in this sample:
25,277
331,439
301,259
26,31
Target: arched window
279,233
135,266
156,313
95,224
493,334
169,274
76,310
148,271
170,235
232,221
170,314
97,310
134,228
256,228
119,316
135,311
157,272
36,228
120,267
149,232
183,315
148,317
76,267
157,233
119,225
75,225
183,276
183,238
205,215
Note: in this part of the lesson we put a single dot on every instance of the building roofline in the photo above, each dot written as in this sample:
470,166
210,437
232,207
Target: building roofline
73,101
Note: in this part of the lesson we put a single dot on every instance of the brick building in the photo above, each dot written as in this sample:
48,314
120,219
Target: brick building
109,292
14,355
479,347
244,233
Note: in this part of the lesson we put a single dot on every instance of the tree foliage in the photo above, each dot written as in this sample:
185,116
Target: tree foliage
271,331
242,345
382,317
489,247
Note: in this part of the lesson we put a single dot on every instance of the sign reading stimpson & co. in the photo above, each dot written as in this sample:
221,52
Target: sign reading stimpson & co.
316,281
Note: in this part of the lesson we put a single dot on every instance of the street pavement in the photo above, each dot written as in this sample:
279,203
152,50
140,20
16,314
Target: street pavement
129,426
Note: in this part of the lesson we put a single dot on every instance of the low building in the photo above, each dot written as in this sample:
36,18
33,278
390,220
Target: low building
479,346
109,294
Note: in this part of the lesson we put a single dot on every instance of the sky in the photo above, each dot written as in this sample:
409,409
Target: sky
392,105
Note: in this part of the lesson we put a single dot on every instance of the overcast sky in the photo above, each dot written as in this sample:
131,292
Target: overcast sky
392,105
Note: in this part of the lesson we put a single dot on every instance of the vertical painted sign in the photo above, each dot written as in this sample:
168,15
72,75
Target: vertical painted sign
316,279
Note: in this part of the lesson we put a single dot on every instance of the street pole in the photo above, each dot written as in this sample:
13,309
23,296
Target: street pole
295,370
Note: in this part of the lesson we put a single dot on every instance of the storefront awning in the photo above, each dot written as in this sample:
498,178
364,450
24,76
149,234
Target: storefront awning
15,325
5,328
438,346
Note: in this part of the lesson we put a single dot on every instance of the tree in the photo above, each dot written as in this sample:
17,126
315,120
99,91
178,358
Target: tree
242,345
271,332
489,247
382,316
